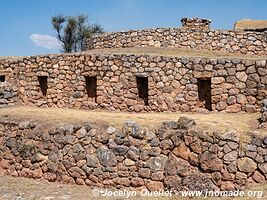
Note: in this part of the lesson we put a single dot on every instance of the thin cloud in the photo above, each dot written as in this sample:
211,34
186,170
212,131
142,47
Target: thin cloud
45,41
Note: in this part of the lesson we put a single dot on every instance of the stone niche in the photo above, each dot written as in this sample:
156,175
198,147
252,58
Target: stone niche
196,23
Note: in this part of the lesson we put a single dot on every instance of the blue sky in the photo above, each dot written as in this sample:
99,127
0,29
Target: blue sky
23,21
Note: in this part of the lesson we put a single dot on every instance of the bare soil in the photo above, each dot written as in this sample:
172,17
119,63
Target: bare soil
12,188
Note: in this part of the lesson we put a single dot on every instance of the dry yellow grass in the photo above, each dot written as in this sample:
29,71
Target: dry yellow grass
242,122
250,24
161,51
176,52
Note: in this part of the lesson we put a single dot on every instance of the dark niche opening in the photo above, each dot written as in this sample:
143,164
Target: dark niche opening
90,86
43,84
2,78
204,92
142,86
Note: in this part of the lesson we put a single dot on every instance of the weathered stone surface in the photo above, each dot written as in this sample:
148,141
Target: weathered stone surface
246,165
133,129
154,185
157,163
120,150
137,182
230,136
106,157
173,182
258,177
231,156
77,172
129,162
92,161
111,130
176,166
227,186
263,167
242,76
185,123
144,173
210,162
198,182
182,151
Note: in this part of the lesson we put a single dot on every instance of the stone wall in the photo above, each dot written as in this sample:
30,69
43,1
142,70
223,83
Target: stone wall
263,118
9,82
196,23
173,82
176,155
245,42
8,94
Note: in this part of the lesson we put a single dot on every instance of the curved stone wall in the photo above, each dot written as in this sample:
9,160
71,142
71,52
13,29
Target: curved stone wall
245,42
235,85
175,156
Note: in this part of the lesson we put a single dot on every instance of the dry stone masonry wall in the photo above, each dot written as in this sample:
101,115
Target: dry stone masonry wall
8,82
196,23
8,94
263,118
176,155
138,83
233,41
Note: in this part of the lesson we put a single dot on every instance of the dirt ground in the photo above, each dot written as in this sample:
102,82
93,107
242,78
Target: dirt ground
29,189
241,122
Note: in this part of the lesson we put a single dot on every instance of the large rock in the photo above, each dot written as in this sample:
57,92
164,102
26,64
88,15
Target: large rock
173,182
120,150
228,186
230,136
263,167
154,185
210,162
24,125
185,123
106,157
258,177
92,161
230,157
133,129
77,172
246,165
157,163
199,182
242,76
182,151
177,166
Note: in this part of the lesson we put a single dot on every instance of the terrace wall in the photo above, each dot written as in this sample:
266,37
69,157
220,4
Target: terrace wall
174,156
233,41
236,85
